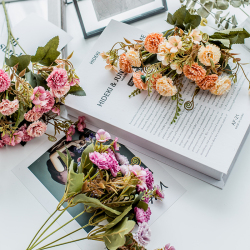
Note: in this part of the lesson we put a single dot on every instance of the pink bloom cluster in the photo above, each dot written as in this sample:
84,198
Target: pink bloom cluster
143,234
71,131
81,124
105,161
74,81
158,192
168,247
57,79
4,81
141,215
25,137
9,107
36,129
14,140
102,136
32,116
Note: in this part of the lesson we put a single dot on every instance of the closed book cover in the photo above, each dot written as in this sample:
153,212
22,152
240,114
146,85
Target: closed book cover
206,139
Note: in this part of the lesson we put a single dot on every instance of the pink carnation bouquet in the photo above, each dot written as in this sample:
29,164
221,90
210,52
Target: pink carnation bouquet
117,194
30,98
163,62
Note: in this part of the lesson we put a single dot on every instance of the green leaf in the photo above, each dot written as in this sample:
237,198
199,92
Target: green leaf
20,115
143,205
74,181
221,4
225,42
204,12
236,3
92,202
65,158
36,80
115,236
118,218
86,163
48,54
22,61
183,19
77,90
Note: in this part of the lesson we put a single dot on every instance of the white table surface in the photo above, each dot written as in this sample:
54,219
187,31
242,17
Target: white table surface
204,218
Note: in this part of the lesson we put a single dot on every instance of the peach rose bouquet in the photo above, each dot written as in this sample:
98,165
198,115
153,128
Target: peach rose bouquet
162,61
30,98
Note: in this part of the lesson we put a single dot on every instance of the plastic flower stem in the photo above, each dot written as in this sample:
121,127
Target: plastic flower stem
93,177
58,228
64,236
88,174
42,227
33,245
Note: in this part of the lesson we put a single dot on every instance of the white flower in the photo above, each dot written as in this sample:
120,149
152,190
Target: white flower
196,36
175,66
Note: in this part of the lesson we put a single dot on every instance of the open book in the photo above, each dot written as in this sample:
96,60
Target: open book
206,139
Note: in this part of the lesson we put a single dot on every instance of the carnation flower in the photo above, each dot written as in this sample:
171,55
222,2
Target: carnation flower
212,52
152,42
138,171
81,124
115,144
125,170
195,72
58,93
158,192
74,81
2,144
122,159
165,87
25,137
36,129
154,79
99,159
50,101
133,57
38,96
113,163
4,81
222,85
176,67
9,107
143,234
196,36
102,135
174,43
138,81
56,110
32,115
57,78
14,140
208,82
71,131
149,179
124,64
140,215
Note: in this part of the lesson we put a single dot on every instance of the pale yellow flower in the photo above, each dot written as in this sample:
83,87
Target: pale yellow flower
222,85
111,67
196,36
133,57
165,87
209,52
176,67
174,43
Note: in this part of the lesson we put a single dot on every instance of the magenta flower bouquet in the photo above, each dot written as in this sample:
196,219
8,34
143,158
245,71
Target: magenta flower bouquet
114,191
32,88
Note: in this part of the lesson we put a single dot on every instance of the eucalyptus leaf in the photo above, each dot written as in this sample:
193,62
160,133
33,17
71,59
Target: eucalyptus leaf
236,3
92,202
48,54
221,4
217,16
115,236
23,62
205,10
77,90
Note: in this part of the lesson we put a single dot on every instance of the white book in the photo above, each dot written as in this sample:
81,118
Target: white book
206,140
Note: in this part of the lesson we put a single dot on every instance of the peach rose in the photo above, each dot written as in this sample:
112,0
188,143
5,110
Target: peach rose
209,52
138,81
165,87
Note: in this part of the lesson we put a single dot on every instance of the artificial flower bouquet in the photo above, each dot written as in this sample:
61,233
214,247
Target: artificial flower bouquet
114,191
162,60
30,98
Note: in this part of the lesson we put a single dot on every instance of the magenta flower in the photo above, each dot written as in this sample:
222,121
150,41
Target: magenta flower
115,144
25,137
158,192
32,115
38,96
142,216
57,78
143,234
102,136
138,171
9,107
50,101
4,81
36,129
58,93
56,110
123,160
71,131
81,124
2,144
113,163
168,247
125,170
14,140
100,160
149,179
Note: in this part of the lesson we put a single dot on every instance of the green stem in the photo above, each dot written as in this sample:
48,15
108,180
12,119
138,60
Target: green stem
244,12
42,227
33,246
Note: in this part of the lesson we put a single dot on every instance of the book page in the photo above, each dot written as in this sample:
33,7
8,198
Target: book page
209,134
